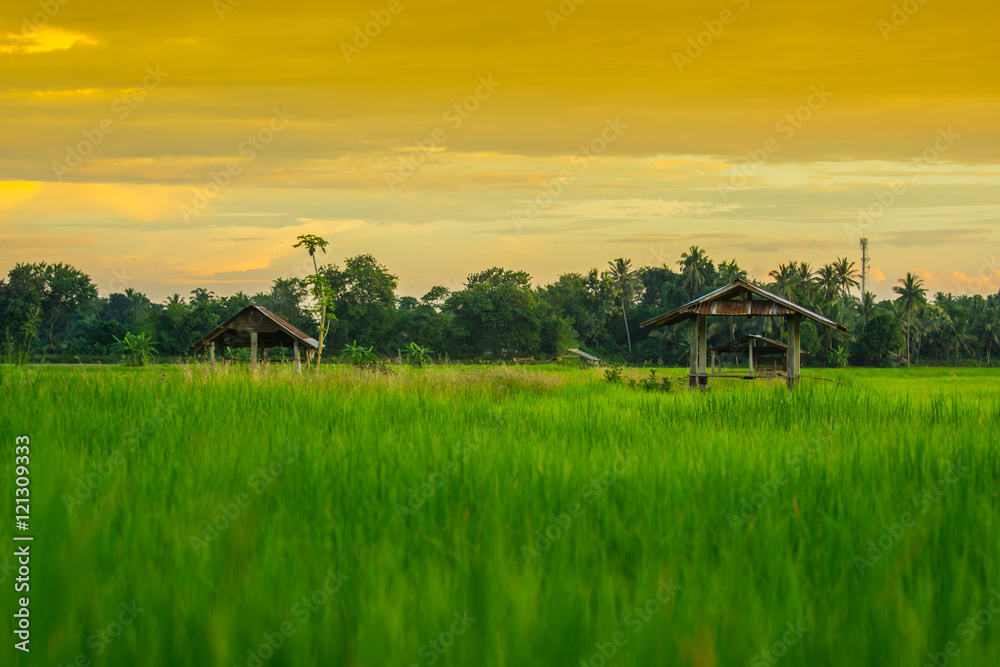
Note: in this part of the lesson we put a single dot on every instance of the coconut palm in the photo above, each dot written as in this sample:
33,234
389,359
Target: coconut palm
201,295
847,275
730,271
912,293
805,282
694,265
866,307
784,279
990,320
828,282
626,284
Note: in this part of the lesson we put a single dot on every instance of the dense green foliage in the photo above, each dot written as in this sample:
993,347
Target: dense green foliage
545,504
499,314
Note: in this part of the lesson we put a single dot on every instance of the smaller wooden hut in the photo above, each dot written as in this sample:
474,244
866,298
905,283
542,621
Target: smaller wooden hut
572,354
765,356
257,328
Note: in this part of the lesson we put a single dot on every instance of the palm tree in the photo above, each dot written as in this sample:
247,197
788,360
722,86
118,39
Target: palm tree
912,293
730,271
201,295
847,275
693,265
804,282
961,337
626,283
784,279
867,307
174,299
139,303
828,282
991,327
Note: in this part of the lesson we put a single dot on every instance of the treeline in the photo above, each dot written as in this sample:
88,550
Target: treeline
53,311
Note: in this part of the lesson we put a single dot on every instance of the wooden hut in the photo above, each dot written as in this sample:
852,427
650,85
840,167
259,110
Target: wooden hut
574,354
740,299
258,328
765,356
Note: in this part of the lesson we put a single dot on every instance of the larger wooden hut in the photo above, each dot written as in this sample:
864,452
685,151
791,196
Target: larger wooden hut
740,299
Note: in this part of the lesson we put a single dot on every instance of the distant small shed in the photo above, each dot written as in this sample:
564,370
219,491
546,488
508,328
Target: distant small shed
256,327
573,353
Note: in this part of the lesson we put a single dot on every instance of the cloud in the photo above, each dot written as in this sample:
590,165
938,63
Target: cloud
43,40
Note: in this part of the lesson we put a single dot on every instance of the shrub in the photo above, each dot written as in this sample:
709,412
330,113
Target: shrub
135,350
613,373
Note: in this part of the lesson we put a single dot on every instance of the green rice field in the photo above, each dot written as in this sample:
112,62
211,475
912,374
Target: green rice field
489,516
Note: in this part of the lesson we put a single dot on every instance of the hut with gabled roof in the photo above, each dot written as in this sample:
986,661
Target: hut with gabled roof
257,328
740,299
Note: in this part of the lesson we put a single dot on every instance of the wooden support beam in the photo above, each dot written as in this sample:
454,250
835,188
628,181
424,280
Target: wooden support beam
793,366
298,360
694,352
752,346
703,348
211,352
253,348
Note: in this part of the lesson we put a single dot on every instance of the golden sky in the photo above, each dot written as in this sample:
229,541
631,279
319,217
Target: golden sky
455,136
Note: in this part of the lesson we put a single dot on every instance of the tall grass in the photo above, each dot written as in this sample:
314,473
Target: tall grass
633,488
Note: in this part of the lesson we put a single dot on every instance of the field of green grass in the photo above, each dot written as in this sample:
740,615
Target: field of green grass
503,516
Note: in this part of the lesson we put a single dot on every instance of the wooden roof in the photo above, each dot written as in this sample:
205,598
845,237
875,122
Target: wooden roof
739,299
272,330
762,346
573,351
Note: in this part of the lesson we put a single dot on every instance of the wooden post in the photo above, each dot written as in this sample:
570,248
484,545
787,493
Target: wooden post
211,352
792,356
752,346
703,349
298,360
253,348
693,381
